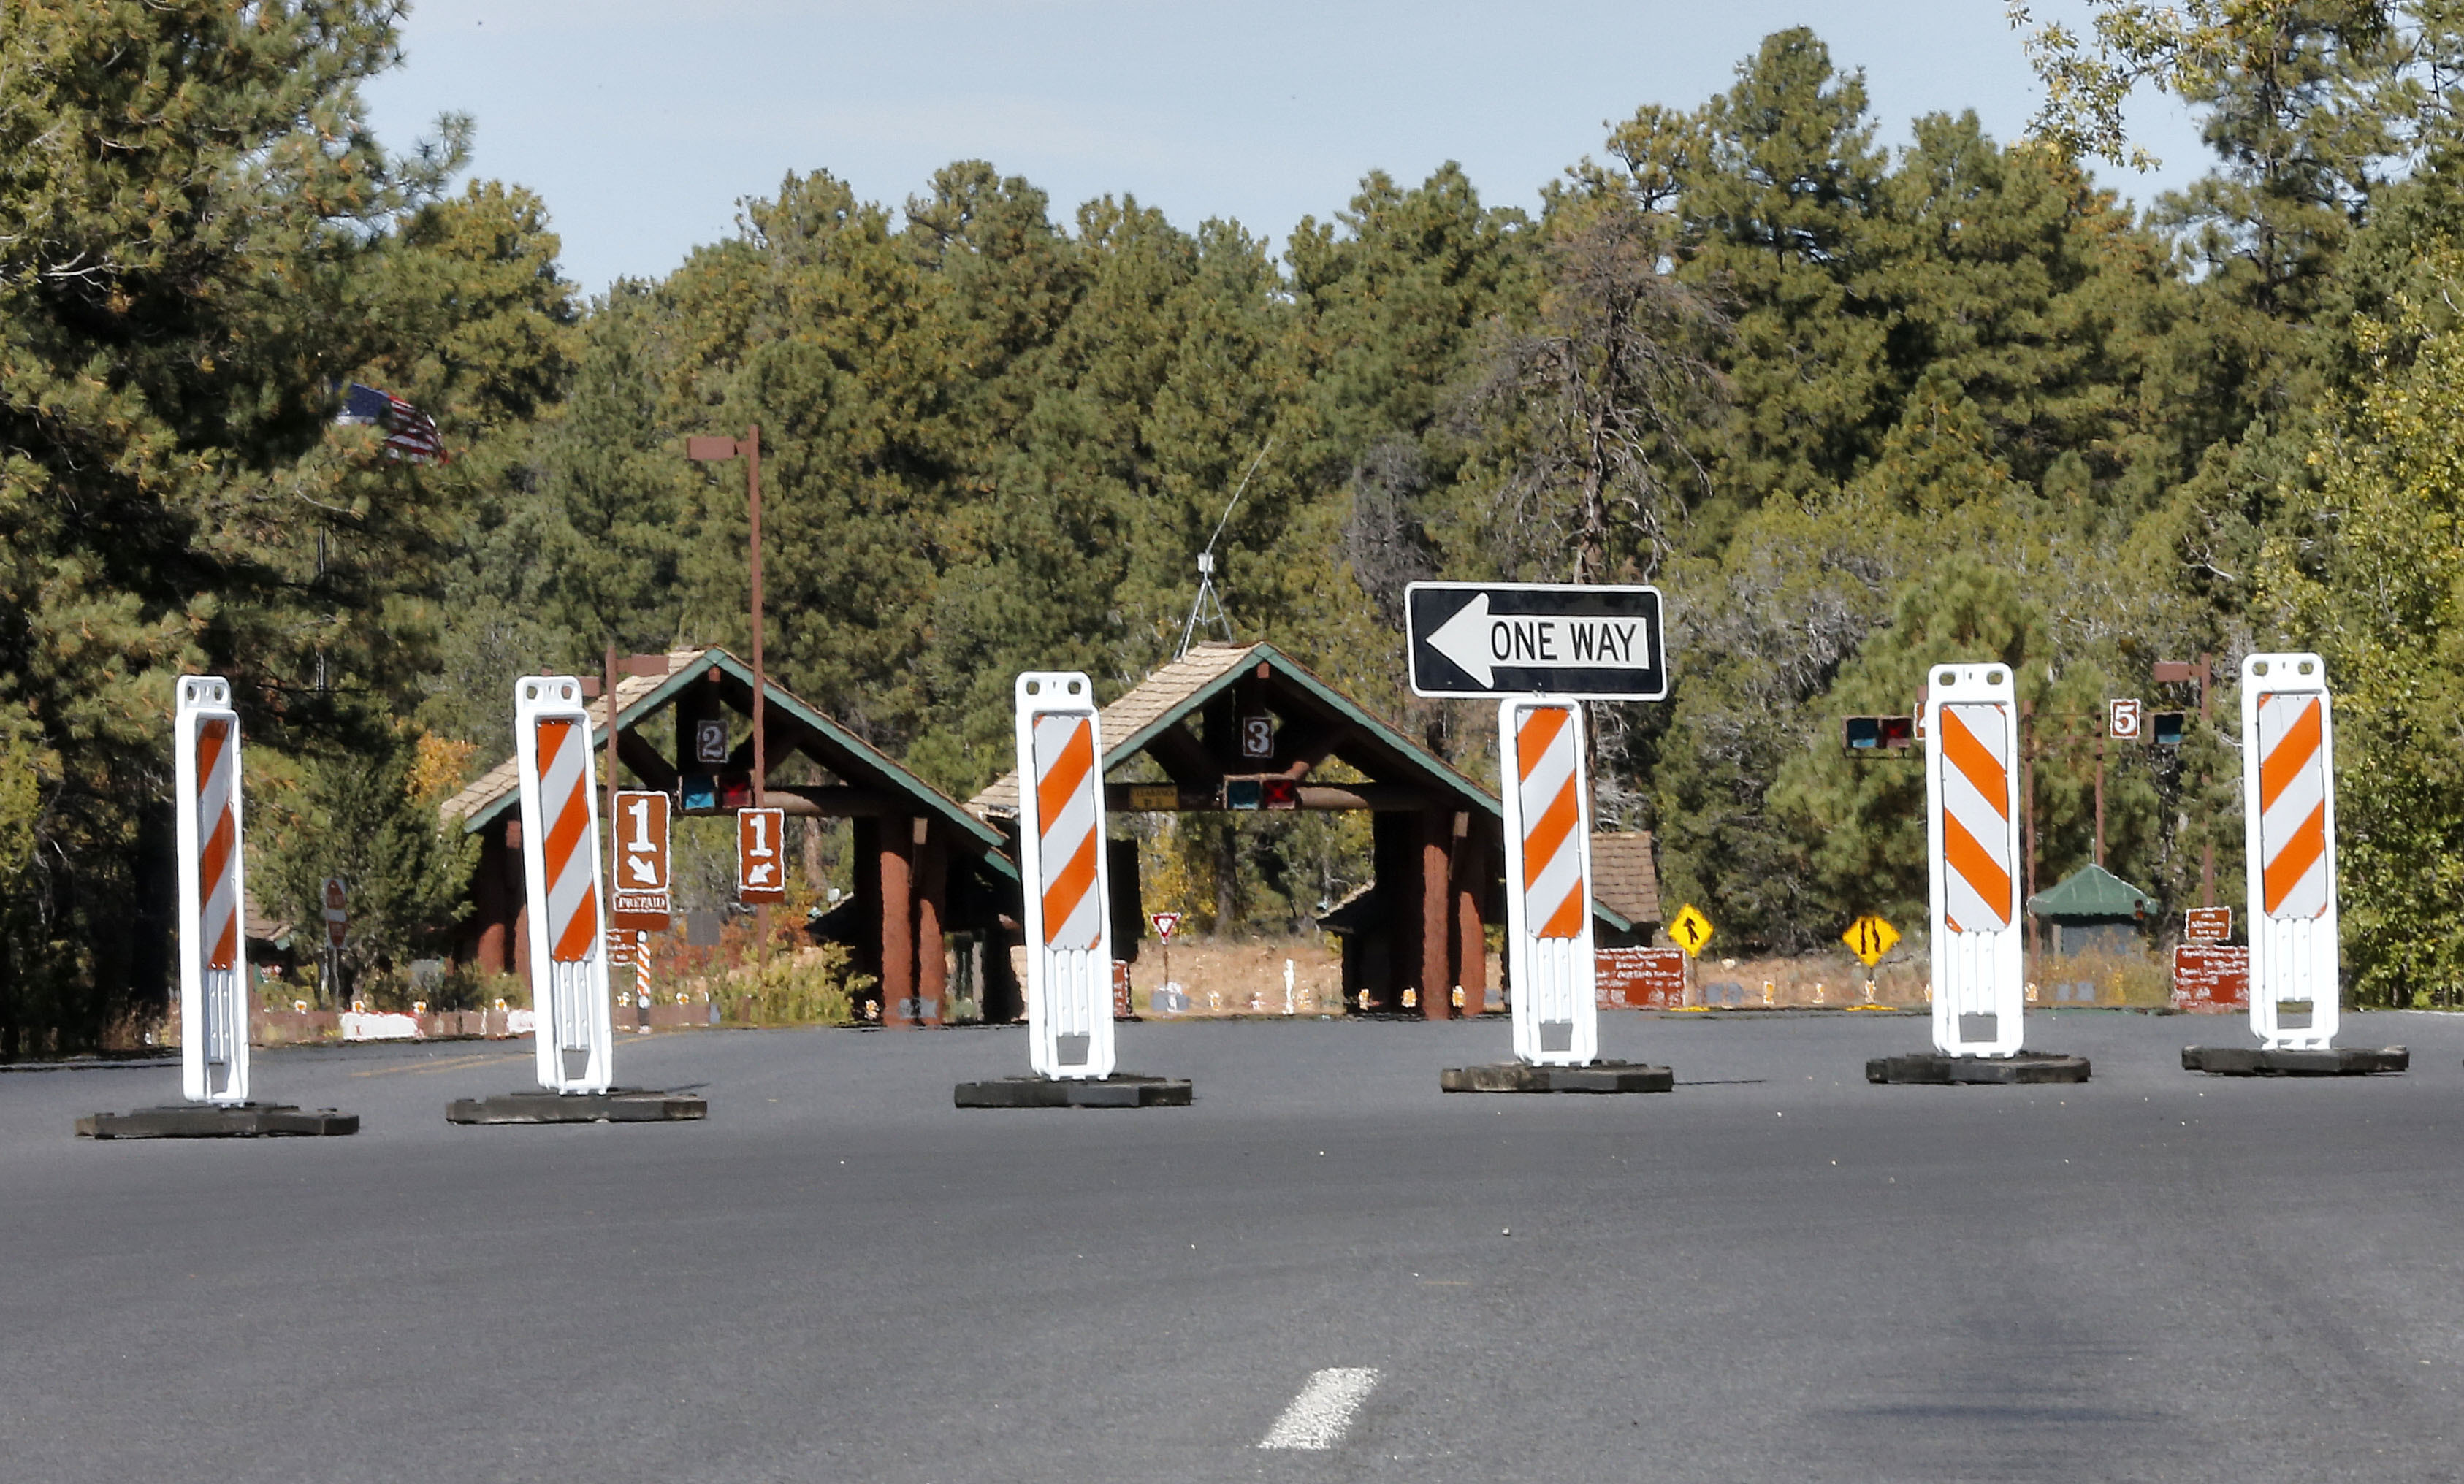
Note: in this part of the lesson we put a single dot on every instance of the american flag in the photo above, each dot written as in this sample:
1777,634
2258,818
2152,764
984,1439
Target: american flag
409,433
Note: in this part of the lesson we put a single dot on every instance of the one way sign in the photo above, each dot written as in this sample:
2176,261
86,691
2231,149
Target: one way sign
1500,639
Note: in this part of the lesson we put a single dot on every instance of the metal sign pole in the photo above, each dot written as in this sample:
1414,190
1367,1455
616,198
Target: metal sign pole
568,947
213,948
1062,864
761,676
2289,824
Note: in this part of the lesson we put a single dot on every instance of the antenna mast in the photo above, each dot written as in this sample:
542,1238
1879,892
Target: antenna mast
1209,607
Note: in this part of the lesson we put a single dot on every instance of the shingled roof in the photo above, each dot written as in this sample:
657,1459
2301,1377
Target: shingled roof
639,696
1624,878
491,792
1183,687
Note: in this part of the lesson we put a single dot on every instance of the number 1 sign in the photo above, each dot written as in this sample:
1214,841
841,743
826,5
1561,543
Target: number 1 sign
644,901
761,870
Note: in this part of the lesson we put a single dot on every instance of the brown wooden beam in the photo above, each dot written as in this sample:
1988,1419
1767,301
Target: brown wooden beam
1313,748
932,907
1437,984
1379,797
637,753
1183,759
838,801
894,860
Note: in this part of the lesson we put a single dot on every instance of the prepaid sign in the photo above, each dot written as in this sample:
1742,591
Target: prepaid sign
643,900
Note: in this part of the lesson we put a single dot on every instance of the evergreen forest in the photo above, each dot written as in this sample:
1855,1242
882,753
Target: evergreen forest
1858,394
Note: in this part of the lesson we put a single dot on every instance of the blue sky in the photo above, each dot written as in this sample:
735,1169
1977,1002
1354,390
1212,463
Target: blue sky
642,123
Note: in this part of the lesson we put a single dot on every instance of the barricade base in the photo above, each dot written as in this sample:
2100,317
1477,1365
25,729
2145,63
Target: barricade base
218,1120
1120,1090
1600,1077
2333,1061
616,1105
1934,1069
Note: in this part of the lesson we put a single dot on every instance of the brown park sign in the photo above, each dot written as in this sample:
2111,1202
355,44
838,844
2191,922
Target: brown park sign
2208,923
2211,978
1640,978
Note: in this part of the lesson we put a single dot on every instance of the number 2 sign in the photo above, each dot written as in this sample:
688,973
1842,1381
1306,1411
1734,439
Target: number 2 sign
642,896
760,872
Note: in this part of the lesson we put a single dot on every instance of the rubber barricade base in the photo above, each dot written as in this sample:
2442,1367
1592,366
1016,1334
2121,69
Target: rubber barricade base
1934,1069
616,1105
2333,1061
1120,1090
1601,1076
218,1120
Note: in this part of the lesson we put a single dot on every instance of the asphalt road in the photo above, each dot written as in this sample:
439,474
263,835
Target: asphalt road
1777,1271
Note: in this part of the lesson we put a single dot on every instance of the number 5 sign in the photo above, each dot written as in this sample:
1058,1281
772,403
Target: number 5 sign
642,898
760,874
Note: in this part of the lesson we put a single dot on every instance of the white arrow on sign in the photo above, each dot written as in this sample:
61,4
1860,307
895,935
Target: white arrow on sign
1480,643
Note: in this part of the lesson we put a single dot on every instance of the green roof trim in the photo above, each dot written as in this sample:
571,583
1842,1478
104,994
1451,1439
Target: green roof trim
2091,891
1295,671
889,771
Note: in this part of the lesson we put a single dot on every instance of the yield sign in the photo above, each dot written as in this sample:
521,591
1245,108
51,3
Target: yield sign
1690,929
1500,639
1166,924
1869,938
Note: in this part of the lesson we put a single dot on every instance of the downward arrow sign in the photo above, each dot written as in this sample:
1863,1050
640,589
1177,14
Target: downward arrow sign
1464,639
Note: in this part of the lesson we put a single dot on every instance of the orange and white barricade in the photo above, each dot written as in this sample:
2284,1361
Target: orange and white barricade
2288,785
1069,914
1549,881
214,949
1972,832
568,946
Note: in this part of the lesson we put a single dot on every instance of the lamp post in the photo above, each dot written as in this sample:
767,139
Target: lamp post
707,449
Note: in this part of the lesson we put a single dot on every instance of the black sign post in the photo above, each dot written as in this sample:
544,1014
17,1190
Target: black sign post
1502,638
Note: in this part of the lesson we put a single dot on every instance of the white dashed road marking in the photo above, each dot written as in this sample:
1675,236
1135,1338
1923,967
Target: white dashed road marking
1324,1409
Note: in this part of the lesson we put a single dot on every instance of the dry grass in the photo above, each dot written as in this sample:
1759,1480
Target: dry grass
1232,978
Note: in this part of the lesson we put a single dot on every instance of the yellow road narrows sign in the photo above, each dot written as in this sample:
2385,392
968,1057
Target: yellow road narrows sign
1690,929
1869,938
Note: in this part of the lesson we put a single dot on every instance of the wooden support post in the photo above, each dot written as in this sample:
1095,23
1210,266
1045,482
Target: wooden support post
932,907
497,885
2208,851
1437,982
894,860
2028,827
1470,868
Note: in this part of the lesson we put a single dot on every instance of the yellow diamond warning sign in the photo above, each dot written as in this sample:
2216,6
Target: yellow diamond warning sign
1869,938
1690,929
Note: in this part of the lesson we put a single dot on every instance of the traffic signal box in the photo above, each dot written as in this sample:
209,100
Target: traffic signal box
1877,736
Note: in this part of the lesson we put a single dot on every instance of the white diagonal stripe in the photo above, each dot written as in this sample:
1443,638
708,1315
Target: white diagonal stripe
1550,772
571,879
1548,889
1063,833
2303,793
1546,883
220,897
1983,818
1317,1418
